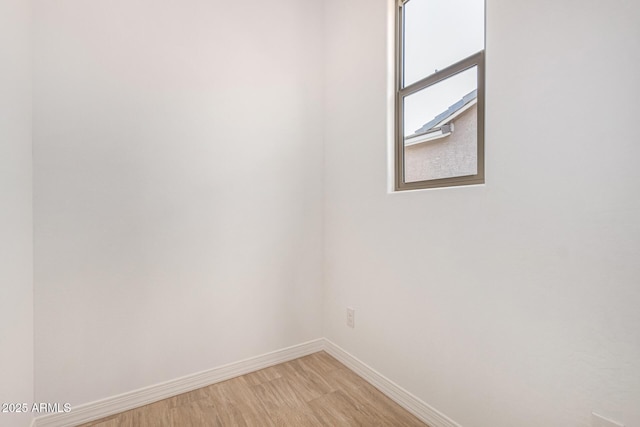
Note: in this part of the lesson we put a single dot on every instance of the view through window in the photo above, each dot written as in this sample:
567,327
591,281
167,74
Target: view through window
440,93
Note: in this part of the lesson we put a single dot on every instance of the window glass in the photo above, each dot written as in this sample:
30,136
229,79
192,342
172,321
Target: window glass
439,94
438,33
423,106
440,129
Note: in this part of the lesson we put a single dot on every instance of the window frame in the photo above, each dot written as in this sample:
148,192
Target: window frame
475,60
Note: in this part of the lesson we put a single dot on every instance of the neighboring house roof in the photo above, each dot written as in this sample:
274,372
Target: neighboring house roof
439,126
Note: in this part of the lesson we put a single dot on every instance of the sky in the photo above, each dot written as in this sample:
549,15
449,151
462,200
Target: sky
439,33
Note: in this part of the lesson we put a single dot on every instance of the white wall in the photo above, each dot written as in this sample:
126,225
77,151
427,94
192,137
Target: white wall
179,194
515,303
16,231
178,188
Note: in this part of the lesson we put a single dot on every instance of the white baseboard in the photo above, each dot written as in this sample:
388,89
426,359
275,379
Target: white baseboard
402,397
144,396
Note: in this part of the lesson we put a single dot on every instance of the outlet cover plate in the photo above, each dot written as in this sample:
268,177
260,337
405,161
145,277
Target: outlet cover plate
351,313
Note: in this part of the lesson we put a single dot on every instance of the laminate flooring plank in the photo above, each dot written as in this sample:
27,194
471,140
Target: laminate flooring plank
311,391
278,393
262,376
336,408
187,398
154,415
323,361
113,422
237,404
373,401
308,384
244,416
200,413
303,417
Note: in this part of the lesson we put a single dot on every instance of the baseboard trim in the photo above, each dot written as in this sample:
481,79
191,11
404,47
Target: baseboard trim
113,405
144,396
411,403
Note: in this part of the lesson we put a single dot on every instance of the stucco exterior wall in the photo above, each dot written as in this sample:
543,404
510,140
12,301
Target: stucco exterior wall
454,155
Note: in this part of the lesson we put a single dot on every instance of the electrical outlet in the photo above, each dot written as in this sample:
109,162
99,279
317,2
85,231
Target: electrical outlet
600,421
351,314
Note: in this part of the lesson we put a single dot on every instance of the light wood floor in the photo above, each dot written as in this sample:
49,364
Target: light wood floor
314,390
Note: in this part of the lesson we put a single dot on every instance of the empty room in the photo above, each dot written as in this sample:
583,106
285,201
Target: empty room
319,213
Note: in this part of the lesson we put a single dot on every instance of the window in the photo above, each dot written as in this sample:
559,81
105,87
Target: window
439,93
